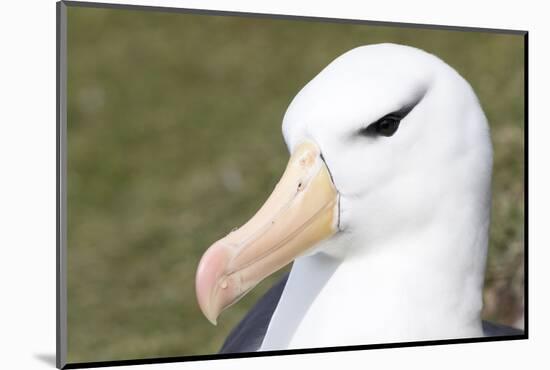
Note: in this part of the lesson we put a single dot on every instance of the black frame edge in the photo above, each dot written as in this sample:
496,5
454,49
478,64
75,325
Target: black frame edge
526,186
169,9
160,360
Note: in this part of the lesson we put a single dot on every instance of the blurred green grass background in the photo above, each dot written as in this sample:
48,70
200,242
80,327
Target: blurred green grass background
174,138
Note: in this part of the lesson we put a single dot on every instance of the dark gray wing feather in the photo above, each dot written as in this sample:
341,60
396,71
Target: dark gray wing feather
249,334
490,329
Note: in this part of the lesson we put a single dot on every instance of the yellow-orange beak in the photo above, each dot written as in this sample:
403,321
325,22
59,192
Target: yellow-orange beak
301,211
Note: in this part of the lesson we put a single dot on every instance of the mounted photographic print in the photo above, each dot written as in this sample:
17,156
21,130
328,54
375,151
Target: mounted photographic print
234,184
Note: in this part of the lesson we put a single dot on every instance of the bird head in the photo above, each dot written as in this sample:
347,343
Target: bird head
386,139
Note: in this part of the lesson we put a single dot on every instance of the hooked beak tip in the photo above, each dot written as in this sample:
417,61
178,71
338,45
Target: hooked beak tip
211,268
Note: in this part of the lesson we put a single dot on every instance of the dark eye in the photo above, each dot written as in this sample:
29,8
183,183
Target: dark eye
387,125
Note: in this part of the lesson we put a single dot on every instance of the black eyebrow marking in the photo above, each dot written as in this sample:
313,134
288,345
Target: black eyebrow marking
407,108
399,115
403,112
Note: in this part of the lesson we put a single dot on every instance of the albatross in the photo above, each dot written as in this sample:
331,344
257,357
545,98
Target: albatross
383,211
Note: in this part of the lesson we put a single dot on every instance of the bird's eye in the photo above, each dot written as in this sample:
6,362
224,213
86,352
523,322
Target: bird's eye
387,125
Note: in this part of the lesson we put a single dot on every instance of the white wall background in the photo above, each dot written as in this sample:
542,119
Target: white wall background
27,182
